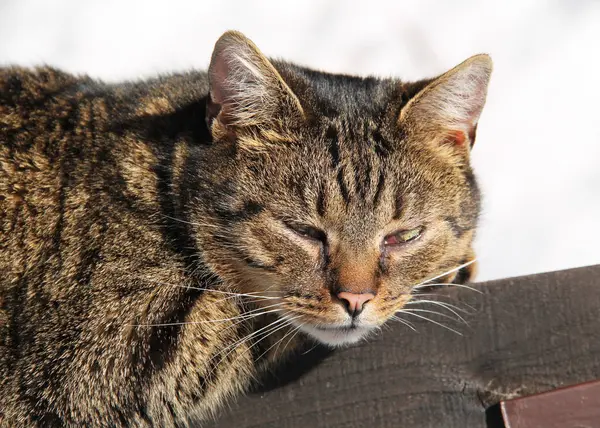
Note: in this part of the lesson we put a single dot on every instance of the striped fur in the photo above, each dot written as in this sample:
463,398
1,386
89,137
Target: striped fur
134,217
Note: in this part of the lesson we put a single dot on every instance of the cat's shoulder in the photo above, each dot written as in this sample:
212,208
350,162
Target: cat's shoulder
24,85
32,99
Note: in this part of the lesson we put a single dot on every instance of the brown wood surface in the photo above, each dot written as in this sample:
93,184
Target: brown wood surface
576,406
524,336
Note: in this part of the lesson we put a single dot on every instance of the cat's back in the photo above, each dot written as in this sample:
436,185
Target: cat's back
39,106
82,165
59,132
25,91
72,143
48,102
46,119
74,151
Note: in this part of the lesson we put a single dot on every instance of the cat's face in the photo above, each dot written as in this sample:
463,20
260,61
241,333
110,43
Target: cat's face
334,198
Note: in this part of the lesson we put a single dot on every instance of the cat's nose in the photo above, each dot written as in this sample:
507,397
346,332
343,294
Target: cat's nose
355,302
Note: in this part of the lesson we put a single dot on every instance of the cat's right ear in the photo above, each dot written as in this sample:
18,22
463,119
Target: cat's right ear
447,110
246,91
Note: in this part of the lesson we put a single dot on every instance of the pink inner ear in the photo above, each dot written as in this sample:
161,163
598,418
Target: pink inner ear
220,94
460,138
456,138
219,72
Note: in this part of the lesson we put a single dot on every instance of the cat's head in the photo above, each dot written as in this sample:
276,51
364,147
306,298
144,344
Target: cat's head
335,195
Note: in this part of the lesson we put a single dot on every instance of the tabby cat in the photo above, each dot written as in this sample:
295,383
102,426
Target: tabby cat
164,242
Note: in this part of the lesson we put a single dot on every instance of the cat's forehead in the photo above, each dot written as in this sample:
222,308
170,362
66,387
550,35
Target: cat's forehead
339,95
355,139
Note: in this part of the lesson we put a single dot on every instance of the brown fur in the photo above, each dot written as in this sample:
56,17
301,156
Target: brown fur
119,206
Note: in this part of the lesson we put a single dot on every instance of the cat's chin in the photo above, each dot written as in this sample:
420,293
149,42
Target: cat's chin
336,337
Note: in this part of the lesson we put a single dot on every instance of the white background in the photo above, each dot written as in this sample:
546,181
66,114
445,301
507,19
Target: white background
538,148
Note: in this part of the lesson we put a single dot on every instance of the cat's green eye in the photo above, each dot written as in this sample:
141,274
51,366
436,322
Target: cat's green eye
403,237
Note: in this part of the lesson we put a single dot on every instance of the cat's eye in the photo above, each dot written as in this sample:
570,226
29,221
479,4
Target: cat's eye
308,232
403,237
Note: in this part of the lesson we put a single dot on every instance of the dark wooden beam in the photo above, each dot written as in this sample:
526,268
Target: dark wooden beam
524,336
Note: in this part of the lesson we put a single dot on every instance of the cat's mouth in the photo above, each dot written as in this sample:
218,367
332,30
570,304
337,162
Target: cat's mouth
347,328
336,335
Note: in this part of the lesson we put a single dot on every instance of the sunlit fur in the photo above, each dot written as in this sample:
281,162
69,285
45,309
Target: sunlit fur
361,159
150,255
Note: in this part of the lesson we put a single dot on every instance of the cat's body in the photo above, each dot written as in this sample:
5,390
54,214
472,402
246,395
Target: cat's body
119,204
88,252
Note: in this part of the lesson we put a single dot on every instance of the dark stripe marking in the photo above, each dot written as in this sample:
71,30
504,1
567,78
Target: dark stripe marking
258,265
334,148
359,189
398,207
367,178
252,208
379,189
320,205
380,145
342,184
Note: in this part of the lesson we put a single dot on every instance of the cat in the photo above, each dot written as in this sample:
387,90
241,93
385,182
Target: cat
164,242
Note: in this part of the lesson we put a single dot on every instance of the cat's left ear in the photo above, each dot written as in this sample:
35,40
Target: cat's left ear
247,92
447,110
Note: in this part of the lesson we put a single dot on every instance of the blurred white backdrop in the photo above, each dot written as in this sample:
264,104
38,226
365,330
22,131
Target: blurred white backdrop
538,147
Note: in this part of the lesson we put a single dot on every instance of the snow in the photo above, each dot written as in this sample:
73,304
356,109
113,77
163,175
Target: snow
538,148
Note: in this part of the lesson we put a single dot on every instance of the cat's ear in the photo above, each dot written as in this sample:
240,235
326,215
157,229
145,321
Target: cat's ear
447,110
246,91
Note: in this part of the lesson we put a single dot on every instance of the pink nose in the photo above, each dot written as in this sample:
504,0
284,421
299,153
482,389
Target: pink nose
355,302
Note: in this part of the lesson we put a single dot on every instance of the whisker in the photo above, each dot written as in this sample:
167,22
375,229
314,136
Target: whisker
306,352
450,308
243,316
189,222
438,296
255,296
271,328
290,339
212,290
244,319
252,334
170,324
278,342
191,287
430,320
437,313
450,284
406,323
460,286
264,336
435,302
232,347
446,273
